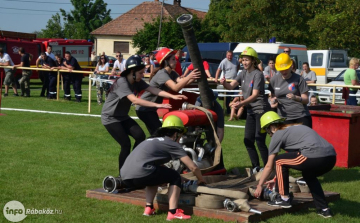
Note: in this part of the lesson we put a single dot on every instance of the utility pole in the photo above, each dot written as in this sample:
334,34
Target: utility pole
161,16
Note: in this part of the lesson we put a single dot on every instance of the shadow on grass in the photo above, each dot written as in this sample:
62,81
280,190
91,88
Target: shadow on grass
342,175
345,207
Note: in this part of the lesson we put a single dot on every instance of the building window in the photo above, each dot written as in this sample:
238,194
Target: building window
123,47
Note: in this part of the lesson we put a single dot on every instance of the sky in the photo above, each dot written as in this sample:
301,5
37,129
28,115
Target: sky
32,15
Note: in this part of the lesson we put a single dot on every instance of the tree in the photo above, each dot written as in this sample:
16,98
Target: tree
335,25
87,16
54,29
171,34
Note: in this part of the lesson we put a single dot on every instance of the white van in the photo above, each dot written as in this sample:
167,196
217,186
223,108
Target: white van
266,51
327,64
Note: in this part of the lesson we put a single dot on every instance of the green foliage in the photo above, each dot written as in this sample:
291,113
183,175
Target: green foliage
54,28
86,16
171,34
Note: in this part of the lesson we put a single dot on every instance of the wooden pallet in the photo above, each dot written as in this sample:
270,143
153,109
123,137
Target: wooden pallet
301,201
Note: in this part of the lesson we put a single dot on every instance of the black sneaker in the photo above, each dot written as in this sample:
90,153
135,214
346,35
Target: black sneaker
278,202
16,95
325,214
5,95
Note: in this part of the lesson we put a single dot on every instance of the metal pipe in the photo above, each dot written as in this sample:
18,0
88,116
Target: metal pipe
193,154
201,152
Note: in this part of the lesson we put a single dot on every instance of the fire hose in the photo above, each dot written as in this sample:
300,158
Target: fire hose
239,205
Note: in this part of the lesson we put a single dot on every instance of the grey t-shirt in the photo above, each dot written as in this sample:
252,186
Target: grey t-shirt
287,108
269,72
311,76
229,68
301,138
158,81
148,155
250,81
117,105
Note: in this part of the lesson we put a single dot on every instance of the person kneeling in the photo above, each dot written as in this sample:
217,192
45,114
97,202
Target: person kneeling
144,166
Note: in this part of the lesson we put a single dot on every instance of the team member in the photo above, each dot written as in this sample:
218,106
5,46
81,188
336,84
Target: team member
289,93
350,78
44,75
48,63
306,151
144,166
114,115
26,74
165,79
71,63
252,83
59,61
5,60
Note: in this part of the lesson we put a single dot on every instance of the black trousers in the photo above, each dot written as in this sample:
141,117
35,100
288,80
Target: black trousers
120,131
151,120
311,168
252,134
67,82
306,120
52,85
76,80
44,77
161,175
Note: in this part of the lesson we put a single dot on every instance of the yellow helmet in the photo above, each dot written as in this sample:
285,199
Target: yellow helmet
283,62
268,118
173,122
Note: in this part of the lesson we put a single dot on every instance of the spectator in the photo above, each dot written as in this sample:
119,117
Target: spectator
101,86
313,100
229,67
241,66
5,60
71,64
152,58
191,68
149,68
26,74
270,70
44,75
310,77
253,89
294,67
93,59
178,56
350,78
106,57
236,112
119,64
289,93
166,79
287,50
48,63
59,62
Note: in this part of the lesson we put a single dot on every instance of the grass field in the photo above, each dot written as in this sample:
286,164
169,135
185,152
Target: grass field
49,161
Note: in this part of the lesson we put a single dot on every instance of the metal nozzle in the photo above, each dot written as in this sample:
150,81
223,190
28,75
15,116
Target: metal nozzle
230,205
110,184
255,211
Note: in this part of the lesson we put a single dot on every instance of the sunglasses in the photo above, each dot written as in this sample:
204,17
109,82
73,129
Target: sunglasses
102,58
286,51
118,55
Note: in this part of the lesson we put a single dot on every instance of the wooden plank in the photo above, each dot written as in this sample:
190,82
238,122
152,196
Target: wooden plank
137,197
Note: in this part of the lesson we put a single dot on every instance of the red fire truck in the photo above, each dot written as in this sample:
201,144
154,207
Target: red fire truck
12,41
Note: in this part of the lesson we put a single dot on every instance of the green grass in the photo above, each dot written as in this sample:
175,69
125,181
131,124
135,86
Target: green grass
49,161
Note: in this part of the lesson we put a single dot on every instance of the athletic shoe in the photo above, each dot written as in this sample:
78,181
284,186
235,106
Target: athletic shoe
148,211
5,95
178,215
325,214
16,95
278,202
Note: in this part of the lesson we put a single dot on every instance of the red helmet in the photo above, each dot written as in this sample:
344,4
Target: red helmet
164,53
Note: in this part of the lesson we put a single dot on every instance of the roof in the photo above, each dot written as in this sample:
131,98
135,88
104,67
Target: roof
133,20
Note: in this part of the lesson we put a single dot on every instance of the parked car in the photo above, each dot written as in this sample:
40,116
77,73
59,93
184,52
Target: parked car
212,67
339,80
111,60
